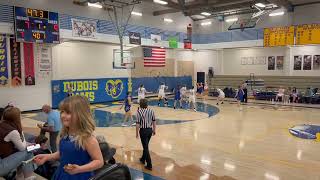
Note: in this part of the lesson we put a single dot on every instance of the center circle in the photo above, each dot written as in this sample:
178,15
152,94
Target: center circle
112,116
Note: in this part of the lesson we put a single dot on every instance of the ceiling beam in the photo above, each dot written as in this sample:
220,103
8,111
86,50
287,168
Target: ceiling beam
215,3
283,3
166,11
235,12
182,4
217,9
169,5
198,5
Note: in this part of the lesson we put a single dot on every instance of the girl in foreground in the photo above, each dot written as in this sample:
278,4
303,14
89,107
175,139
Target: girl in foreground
79,151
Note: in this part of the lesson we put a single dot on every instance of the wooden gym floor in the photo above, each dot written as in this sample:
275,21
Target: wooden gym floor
250,144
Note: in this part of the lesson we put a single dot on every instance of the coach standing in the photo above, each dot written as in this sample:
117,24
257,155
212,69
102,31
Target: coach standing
53,126
146,127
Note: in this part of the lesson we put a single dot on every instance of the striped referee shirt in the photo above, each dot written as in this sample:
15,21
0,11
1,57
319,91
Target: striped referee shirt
145,117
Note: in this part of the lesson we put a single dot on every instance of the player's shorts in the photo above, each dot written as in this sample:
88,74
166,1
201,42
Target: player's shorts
221,96
127,108
161,95
140,97
192,99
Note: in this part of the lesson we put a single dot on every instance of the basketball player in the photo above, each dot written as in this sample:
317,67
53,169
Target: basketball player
127,108
177,97
162,95
206,91
201,89
192,98
221,96
141,93
183,93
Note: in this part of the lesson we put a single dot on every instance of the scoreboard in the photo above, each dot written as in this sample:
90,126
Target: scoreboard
33,25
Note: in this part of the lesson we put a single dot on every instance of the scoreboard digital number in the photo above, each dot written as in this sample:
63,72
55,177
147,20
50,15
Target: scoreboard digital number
33,25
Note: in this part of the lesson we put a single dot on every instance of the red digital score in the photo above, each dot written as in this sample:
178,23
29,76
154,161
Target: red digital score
56,27
22,34
27,24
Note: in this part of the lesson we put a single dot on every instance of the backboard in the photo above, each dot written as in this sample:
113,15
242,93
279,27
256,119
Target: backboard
243,24
127,62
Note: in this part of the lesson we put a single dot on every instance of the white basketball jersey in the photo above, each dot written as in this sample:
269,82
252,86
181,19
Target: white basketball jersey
141,91
192,92
220,92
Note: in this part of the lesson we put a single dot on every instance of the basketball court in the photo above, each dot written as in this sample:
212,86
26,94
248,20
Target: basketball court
103,49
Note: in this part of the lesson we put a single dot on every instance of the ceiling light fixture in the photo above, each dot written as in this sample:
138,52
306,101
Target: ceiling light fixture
232,20
260,5
167,20
206,23
281,13
160,2
96,5
136,13
205,13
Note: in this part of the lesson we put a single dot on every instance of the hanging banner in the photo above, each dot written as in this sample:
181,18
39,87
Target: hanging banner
156,40
96,90
134,38
43,60
173,42
189,32
28,64
278,36
4,75
84,28
15,63
308,34
187,44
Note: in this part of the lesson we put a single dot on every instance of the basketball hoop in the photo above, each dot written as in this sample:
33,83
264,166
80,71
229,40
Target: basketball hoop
128,65
243,24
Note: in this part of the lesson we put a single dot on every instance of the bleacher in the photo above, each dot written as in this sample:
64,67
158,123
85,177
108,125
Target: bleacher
270,82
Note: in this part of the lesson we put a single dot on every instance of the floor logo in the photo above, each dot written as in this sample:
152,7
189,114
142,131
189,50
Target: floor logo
114,88
305,131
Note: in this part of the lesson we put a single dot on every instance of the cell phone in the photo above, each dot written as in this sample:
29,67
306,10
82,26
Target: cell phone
33,147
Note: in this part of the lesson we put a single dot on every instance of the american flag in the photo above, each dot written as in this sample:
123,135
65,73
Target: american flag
154,57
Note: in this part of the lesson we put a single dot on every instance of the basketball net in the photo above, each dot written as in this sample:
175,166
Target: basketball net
120,16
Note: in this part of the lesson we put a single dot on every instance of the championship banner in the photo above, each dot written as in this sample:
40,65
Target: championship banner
308,34
173,42
15,63
84,28
28,64
187,44
278,36
43,60
156,40
134,38
96,90
4,75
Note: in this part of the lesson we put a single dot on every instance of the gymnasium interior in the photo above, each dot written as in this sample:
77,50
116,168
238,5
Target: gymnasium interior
250,109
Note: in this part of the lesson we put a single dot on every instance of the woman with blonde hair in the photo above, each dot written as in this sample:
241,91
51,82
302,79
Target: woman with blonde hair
79,151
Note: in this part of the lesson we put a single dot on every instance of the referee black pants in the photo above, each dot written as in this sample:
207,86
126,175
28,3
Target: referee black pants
145,136
245,96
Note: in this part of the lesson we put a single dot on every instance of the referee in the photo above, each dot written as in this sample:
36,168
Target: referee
146,127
